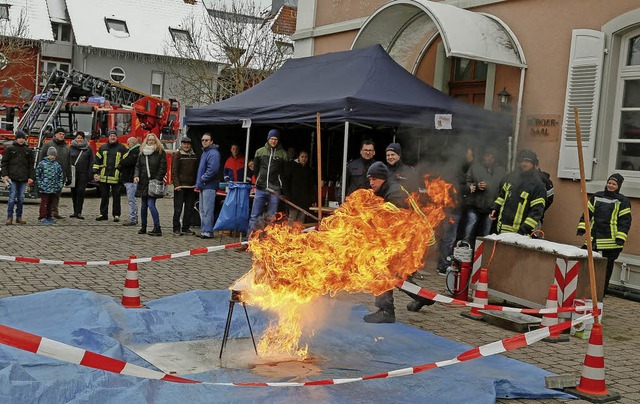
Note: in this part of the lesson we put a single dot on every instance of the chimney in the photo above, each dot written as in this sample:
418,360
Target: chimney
190,1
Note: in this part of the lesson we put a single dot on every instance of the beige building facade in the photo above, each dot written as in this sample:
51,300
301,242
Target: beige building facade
548,55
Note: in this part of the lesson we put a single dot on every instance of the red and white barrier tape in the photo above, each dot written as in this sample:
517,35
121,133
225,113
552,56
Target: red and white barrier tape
195,251
67,353
417,290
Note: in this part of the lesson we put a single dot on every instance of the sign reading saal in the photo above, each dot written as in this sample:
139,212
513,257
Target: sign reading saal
544,126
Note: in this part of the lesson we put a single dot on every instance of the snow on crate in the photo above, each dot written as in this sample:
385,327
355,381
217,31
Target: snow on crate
546,246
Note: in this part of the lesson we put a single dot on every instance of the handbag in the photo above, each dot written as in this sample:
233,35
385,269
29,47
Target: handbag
156,187
73,171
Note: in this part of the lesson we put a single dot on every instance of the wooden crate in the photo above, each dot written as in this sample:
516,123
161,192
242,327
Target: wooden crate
523,273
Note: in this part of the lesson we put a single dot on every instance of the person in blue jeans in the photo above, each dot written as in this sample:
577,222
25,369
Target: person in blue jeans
127,167
483,180
269,167
151,165
207,182
18,170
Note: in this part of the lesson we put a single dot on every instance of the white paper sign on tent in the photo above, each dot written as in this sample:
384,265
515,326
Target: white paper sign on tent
443,121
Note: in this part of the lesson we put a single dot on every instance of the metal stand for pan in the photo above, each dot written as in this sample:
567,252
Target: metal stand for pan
236,297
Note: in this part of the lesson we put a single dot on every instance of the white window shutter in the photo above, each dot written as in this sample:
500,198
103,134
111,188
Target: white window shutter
583,91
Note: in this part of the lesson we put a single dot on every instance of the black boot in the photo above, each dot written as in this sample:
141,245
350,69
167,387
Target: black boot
416,305
143,230
381,316
156,231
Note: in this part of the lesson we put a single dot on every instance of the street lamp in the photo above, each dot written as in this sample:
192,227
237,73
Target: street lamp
504,98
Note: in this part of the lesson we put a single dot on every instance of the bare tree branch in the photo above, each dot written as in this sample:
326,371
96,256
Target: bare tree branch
18,53
230,49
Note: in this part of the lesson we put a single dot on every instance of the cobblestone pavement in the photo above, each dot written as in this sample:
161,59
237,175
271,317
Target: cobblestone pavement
91,240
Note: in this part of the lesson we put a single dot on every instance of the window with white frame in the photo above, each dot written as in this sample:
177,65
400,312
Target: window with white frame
625,154
117,27
48,66
61,32
157,84
4,11
180,35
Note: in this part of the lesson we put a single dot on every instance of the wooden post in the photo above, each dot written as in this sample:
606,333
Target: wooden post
319,148
587,219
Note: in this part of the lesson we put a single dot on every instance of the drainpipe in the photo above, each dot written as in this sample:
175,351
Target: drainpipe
518,116
37,83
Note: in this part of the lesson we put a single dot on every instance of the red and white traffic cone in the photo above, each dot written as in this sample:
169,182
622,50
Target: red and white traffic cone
481,296
131,292
592,385
550,319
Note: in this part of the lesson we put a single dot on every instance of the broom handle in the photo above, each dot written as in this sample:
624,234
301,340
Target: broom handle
587,219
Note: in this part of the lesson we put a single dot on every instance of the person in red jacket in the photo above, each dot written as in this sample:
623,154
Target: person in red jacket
234,166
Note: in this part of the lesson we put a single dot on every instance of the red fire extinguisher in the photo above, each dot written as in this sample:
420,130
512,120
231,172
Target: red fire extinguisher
459,272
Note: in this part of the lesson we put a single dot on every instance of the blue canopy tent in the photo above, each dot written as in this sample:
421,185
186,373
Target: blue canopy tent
363,86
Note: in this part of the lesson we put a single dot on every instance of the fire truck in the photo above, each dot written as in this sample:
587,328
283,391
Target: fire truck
77,101
9,117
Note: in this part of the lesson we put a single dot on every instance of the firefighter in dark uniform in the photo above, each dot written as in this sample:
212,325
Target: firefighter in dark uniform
378,175
521,199
357,169
105,171
610,218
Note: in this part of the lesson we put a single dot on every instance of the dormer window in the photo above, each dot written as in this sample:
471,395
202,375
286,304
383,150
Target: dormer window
4,11
180,35
117,27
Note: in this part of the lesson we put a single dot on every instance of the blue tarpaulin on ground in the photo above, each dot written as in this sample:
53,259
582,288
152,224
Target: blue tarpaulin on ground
345,347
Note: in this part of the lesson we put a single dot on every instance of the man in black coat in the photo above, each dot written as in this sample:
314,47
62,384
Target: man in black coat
357,169
18,170
63,158
390,191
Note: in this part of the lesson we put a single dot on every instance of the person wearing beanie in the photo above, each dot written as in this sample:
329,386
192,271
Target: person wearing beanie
82,164
107,175
50,180
388,189
17,171
270,162
401,172
521,199
273,133
357,169
610,221
63,158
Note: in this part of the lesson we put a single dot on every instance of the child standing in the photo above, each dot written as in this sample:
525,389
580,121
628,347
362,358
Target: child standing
50,179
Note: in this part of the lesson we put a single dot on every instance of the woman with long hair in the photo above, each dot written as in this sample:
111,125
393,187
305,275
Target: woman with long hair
151,165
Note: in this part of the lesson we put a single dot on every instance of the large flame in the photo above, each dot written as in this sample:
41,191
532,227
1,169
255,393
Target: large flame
367,245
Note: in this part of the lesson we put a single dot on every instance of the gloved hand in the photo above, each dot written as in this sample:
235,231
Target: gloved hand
581,232
620,242
67,182
226,178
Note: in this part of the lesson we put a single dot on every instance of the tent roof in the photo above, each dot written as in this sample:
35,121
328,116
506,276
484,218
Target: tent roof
362,85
